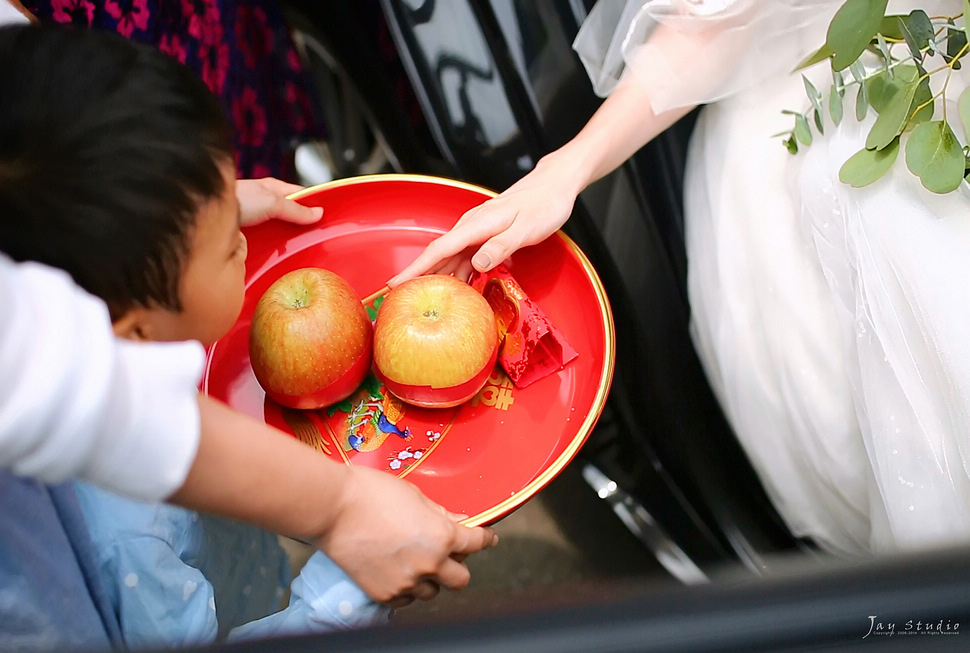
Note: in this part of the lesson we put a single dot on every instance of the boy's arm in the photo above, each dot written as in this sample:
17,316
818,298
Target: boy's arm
389,538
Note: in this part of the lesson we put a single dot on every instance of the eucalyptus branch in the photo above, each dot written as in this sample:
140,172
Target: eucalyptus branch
898,91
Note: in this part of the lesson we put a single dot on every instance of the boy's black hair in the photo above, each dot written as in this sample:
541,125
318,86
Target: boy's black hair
107,151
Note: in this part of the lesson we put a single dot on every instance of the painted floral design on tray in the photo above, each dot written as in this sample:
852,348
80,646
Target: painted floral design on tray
375,428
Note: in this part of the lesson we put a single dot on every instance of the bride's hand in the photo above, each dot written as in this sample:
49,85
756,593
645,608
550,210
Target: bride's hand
528,212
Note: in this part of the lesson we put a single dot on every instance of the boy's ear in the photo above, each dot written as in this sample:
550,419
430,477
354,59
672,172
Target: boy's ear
134,325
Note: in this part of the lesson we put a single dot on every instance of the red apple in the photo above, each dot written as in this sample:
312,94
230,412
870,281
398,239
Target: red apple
435,341
310,339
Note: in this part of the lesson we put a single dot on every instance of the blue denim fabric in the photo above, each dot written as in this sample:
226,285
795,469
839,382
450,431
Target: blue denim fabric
51,595
177,577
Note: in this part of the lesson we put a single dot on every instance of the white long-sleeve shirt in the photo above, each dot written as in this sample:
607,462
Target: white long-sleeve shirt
76,402
9,15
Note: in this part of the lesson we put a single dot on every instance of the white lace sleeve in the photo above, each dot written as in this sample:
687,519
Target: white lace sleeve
690,52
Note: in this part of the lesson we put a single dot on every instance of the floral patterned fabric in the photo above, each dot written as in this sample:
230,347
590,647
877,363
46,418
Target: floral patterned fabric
240,48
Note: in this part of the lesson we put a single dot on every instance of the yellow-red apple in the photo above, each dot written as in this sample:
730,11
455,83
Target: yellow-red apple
435,341
310,340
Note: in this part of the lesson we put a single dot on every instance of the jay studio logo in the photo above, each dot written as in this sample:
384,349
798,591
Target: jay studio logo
878,627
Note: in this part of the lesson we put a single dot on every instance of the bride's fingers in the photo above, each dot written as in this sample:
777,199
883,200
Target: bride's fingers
464,270
520,233
428,260
450,266
470,230
496,249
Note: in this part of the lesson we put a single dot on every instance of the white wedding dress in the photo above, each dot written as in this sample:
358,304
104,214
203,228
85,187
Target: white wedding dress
833,323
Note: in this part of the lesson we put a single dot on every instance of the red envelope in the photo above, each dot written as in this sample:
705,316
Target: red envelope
531,347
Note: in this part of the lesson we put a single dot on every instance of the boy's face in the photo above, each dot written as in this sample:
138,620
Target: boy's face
212,283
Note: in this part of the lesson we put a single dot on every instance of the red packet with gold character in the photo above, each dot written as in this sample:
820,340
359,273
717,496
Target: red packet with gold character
532,347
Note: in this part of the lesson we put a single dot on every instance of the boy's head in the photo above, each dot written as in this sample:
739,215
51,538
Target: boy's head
116,165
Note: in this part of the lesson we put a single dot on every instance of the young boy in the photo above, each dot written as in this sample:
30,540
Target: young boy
137,201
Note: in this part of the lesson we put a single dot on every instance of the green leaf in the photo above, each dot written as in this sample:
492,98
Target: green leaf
883,49
956,39
882,89
372,385
835,105
894,115
802,131
878,87
866,166
923,96
861,102
816,98
852,28
890,28
918,31
964,109
791,144
966,17
821,54
858,71
813,95
375,306
934,154
344,406
921,27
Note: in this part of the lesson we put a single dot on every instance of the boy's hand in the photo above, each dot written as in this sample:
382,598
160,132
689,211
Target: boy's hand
394,542
263,199
397,544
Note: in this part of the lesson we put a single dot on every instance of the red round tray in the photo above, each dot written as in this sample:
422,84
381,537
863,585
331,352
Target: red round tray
483,458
